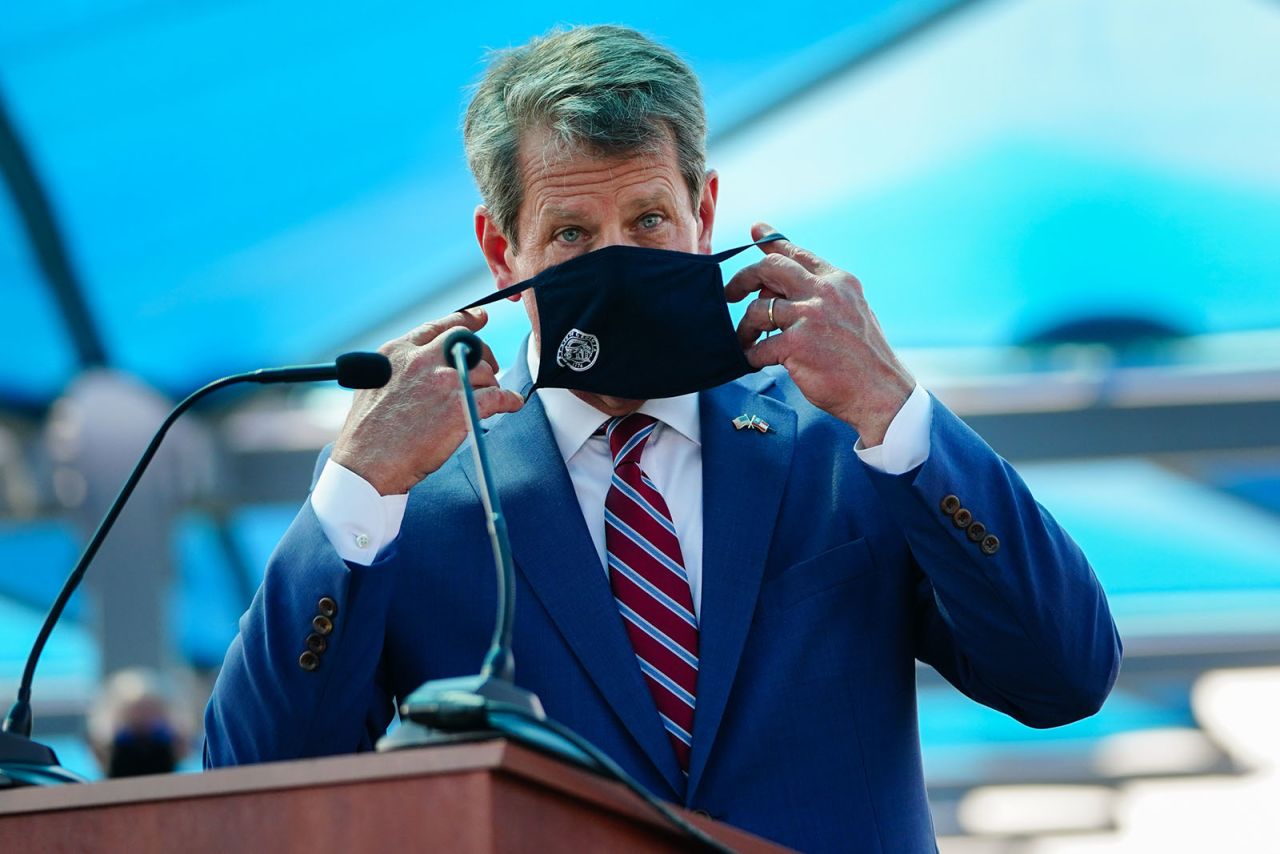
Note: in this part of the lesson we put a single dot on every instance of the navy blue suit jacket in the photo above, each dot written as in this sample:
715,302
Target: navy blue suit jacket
824,581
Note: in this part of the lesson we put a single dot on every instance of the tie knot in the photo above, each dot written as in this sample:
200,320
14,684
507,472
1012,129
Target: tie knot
627,437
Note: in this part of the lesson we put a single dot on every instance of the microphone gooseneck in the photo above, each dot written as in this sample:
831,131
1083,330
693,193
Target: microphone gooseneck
366,368
18,720
465,351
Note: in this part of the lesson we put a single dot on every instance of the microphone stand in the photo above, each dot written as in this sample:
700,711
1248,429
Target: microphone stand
24,762
489,704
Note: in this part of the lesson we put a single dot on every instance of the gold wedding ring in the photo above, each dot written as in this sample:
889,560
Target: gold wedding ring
772,322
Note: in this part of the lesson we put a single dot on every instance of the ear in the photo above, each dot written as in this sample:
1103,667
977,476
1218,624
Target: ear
496,249
707,210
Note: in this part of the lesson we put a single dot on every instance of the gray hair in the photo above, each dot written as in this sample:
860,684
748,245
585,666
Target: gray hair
607,90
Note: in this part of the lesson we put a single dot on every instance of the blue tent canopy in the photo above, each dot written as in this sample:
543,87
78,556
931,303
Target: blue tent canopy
246,184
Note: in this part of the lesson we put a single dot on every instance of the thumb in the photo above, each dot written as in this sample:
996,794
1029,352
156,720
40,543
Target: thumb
780,246
760,229
783,246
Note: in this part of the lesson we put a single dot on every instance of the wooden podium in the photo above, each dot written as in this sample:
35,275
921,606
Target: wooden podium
491,796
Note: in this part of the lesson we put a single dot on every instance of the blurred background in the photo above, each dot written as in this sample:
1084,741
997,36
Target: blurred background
1066,214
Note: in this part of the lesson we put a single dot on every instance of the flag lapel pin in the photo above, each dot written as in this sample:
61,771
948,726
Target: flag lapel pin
744,421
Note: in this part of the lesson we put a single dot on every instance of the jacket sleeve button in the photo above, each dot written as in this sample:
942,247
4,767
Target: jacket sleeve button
322,624
961,518
976,532
990,544
308,660
950,505
327,607
317,644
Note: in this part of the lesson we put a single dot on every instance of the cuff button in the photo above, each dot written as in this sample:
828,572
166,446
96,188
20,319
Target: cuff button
327,607
976,532
308,661
961,518
950,505
990,544
317,644
322,624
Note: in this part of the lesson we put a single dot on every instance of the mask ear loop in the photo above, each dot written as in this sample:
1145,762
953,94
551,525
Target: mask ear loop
510,290
720,257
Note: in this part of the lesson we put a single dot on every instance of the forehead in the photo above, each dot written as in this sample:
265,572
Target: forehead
560,178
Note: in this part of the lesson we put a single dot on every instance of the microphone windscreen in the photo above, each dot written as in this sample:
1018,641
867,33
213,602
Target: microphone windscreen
474,348
363,370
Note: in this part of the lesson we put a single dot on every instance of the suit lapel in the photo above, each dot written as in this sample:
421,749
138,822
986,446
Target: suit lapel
554,553
743,475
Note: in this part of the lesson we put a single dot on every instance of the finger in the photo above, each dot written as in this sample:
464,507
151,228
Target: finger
803,257
765,292
778,273
491,401
487,355
473,319
756,319
482,376
771,351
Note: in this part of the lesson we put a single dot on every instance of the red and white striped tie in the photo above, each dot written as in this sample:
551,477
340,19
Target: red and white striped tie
646,572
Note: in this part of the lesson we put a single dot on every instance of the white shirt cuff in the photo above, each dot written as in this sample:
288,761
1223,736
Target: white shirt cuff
358,521
906,442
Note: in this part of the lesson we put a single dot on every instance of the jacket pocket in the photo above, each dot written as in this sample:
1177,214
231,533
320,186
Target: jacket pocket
816,575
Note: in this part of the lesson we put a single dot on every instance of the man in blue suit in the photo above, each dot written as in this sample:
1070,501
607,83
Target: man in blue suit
823,521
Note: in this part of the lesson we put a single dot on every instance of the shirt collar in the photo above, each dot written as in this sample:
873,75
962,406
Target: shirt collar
573,420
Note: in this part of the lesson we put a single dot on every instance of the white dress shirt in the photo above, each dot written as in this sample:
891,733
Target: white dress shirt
360,523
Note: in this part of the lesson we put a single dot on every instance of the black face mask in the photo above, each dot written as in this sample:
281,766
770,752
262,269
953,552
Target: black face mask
635,322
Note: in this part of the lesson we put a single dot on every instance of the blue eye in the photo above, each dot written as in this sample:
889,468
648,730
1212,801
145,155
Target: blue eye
652,220
571,235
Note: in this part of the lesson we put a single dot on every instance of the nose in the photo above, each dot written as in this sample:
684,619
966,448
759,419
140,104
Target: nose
615,235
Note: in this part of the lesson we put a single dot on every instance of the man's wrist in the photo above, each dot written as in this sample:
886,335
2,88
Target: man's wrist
357,520
385,483
905,443
872,418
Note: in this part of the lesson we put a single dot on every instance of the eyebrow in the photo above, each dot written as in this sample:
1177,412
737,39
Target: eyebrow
657,199
556,212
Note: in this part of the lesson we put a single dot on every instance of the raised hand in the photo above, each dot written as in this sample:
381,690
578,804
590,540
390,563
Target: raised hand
396,435
830,341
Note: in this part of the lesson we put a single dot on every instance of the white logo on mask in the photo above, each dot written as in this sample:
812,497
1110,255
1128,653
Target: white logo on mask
578,350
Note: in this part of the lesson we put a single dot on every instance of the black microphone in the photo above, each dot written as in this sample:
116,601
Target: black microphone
25,762
351,370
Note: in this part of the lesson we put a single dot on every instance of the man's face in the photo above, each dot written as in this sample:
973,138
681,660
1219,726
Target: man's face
577,203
